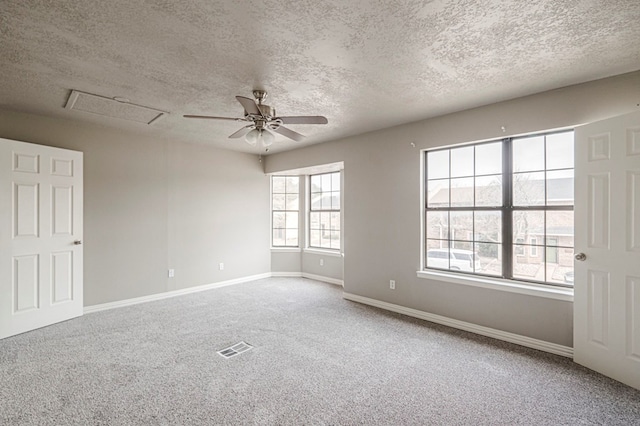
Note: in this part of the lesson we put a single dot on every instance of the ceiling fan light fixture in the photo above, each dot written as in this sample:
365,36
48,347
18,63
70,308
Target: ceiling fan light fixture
267,138
252,137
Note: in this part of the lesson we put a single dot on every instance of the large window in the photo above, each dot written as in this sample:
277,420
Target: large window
285,210
503,208
324,211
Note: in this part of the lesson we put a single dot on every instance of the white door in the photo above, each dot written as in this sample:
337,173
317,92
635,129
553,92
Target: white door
40,236
607,220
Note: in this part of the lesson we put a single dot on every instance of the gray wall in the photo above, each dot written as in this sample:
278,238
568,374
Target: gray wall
153,204
382,236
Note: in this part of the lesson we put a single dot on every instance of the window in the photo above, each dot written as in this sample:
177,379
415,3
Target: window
502,208
285,208
324,211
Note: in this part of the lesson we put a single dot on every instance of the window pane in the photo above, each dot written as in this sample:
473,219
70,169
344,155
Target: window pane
278,202
528,189
316,201
438,225
326,201
314,238
316,183
292,184
278,237
335,181
325,221
279,220
560,188
462,192
560,228
528,224
526,267
528,154
335,221
438,193
461,250
438,164
314,220
462,161
292,237
437,255
293,202
335,200
335,239
462,225
489,191
278,184
488,258
489,159
292,220
560,151
560,271
488,226
326,182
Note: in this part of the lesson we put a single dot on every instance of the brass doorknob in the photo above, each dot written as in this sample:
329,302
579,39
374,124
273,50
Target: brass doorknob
581,257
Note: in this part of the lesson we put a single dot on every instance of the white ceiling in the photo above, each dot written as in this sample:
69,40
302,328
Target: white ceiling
363,64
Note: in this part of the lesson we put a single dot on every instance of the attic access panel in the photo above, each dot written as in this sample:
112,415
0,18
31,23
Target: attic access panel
108,107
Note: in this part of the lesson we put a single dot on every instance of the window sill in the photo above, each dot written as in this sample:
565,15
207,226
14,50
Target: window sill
333,253
549,292
285,250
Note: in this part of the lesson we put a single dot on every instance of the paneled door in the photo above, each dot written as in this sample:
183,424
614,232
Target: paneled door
40,236
607,267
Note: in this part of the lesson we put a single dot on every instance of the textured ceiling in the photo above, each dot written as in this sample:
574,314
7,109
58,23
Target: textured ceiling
363,64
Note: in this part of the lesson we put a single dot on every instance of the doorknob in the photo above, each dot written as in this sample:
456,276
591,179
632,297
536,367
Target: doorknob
77,242
581,257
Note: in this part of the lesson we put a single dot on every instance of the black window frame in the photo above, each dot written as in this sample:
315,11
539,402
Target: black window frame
507,210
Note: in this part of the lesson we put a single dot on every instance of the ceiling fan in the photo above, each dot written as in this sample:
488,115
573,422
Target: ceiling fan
263,120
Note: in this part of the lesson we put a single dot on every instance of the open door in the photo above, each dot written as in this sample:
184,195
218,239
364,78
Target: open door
40,236
607,267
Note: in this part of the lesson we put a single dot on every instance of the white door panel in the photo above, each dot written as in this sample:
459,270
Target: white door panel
607,283
40,266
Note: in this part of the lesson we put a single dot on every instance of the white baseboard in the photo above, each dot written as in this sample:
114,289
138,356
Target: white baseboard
287,274
324,279
529,342
310,276
174,293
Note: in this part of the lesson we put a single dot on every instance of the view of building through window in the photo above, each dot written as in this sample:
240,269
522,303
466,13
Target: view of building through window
510,219
285,209
324,211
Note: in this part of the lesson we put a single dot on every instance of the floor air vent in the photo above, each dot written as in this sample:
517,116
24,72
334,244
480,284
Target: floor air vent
234,350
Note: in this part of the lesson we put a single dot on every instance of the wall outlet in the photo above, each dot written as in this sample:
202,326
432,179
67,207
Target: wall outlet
172,273
321,262
392,284
221,266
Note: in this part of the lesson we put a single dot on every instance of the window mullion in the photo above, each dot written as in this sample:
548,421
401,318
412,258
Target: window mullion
507,210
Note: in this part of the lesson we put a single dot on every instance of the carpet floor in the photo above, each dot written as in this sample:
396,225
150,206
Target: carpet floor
317,359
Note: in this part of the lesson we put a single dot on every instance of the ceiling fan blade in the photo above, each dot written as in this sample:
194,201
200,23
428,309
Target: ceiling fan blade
249,105
289,133
209,117
305,119
240,133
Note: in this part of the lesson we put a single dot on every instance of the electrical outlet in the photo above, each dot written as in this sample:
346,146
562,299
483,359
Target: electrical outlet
321,262
392,284
221,266
172,273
